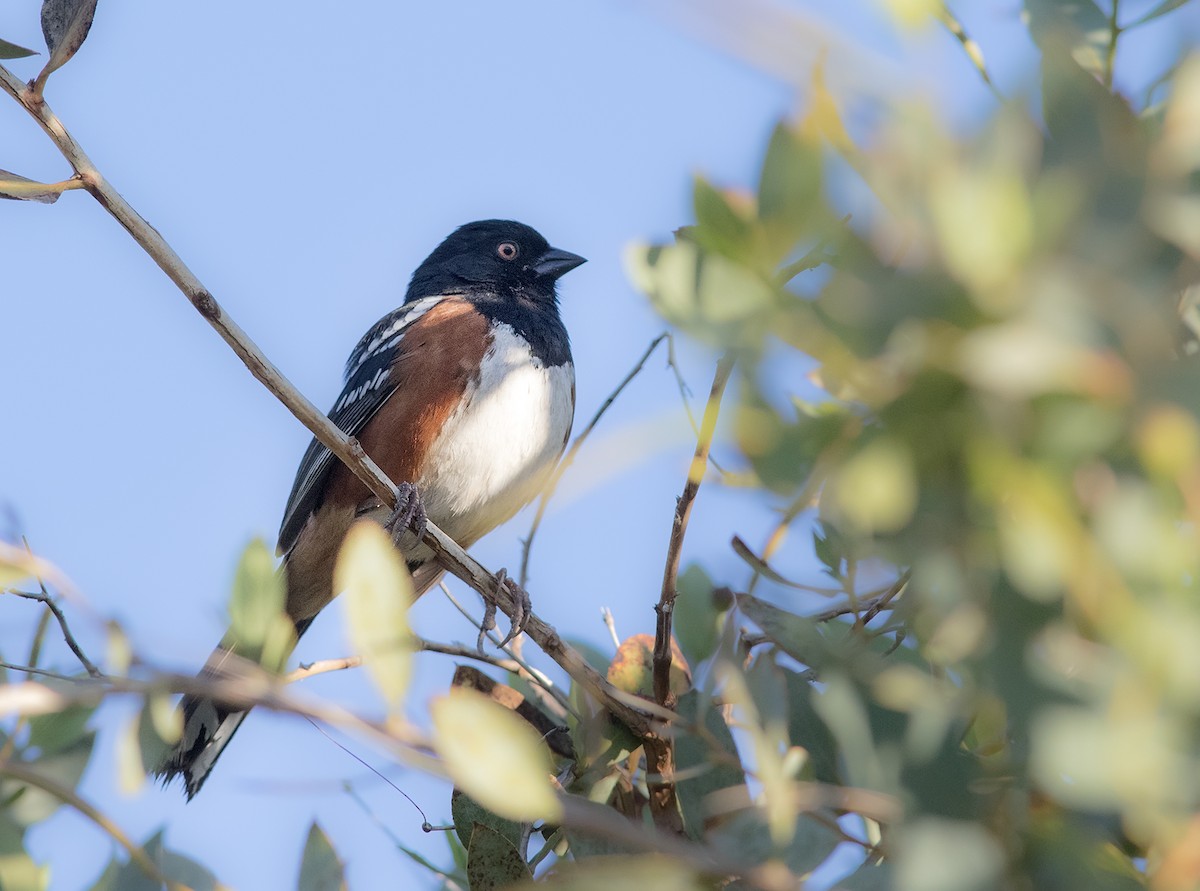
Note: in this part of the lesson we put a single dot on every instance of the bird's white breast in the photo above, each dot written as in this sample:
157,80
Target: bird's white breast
498,447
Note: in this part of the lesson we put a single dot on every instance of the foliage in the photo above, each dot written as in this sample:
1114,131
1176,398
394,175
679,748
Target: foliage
1000,477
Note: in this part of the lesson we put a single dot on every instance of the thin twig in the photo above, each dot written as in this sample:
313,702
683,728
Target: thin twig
683,512
527,671
44,598
1110,56
346,448
23,773
322,666
40,672
611,624
569,458
970,47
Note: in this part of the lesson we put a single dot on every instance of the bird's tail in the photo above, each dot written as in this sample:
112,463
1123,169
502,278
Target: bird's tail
208,727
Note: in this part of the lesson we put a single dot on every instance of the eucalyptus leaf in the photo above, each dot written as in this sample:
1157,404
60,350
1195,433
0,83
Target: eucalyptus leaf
320,868
13,51
493,861
65,25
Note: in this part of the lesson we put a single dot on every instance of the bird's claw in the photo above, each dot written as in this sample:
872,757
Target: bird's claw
408,515
521,613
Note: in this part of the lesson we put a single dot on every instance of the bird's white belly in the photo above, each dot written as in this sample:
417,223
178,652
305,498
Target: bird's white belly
497,449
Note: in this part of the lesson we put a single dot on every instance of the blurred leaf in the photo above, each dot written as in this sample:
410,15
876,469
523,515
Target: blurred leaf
108,879
869,877
55,732
697,618
706,294
797,636
947,855
467,812
876,489
493,861
721,227
647,871
831,547
745,837
320,868
807,730
259,629
782,452
151,742
65,767
175,867
494,756
789,188
65,25
760,566
1079,24
378,592
18,872
707,762
632,668
12,51
131,771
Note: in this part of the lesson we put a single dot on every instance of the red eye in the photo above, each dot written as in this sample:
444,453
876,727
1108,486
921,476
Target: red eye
507,250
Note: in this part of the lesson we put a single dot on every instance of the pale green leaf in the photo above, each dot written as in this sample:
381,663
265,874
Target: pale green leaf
320,868
650,872
257,598
494,756
1160,10
377,592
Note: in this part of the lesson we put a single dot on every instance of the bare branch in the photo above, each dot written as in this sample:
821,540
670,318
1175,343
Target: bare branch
44,598
347,449
683,511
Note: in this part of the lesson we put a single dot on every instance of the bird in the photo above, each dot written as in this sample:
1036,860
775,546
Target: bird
464,396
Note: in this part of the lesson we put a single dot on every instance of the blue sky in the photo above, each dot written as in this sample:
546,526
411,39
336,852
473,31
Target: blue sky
303,162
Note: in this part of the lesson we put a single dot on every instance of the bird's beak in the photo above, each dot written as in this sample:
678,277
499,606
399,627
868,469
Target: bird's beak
555,263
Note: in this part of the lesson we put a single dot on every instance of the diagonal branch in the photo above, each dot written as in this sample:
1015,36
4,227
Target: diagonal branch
347,449
44,597
24,773
683,512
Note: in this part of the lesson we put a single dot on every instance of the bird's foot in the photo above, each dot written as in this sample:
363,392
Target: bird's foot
524,607
409,514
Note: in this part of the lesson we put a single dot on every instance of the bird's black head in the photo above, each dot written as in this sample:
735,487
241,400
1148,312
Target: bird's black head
497,257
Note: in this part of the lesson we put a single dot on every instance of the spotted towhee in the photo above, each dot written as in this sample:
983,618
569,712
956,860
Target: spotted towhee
464,396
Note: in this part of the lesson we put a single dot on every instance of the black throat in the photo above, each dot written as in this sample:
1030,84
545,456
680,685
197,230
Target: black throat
533,316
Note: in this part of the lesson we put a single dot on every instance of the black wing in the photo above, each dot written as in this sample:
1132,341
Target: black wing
369,384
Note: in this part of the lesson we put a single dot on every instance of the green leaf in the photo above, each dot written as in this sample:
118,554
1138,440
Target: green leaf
467,812
797,636
378,591
649,872
720,227
697,619
177,867
18,872
494,756
706,762
65,25
1077,24
947,855
745,837
66,767
258,628
807,730
320,868
493,861
789,188
783,452
869,877
12,51
56,732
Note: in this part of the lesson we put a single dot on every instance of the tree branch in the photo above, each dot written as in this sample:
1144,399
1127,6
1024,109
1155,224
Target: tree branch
347,449
44,598
683,512
23,773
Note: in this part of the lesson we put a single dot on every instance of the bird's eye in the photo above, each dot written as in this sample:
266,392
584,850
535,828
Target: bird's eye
506,250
